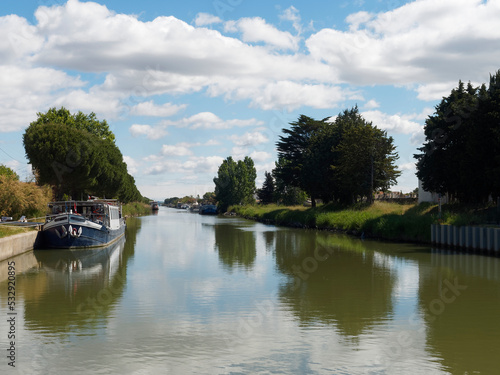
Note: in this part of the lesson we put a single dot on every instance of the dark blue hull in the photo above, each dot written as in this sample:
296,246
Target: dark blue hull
208,210
69,236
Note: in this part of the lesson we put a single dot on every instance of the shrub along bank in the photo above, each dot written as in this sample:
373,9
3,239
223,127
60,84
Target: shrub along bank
391,221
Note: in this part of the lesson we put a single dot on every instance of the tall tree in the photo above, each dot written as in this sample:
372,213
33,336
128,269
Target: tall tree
235,182
343,160
296,164
366,158
76,154
460,155
266,194
80,121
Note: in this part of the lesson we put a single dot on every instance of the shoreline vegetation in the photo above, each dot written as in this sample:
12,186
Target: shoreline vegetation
380,220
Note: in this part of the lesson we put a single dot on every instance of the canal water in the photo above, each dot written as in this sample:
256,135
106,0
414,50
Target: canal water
191,294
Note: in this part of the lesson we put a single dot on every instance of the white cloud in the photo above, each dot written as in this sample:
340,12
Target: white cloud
208,120
292,95
371,104
260,156
256,30
249,139
176,150
423,42
204,19
149,131
132,165
292,14
435,91
26,91
407,166
393,123
195,164
149,108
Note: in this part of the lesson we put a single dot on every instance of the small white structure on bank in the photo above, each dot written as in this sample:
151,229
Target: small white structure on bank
427,196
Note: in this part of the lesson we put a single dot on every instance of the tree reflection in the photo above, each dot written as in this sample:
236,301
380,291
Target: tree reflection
236,247
460,301
335,280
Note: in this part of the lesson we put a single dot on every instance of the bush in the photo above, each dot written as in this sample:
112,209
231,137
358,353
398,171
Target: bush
23,198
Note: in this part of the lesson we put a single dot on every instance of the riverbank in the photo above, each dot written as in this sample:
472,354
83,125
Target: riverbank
383,220
6,231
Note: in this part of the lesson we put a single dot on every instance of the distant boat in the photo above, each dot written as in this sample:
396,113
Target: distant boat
208,209
81,224
154,206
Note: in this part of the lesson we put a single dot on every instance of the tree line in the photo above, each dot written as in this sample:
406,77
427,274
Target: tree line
461,152
76,154
341,160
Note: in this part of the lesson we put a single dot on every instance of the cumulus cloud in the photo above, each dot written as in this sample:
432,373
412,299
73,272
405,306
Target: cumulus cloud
204,19
149,108
255,30
402,124
407,166
371,104
249,139
132,164
176,150
424,45
423,42
195,164
149,131
208,120
26,91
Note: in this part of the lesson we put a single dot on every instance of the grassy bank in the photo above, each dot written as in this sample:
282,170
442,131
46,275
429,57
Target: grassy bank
393,221
6,231
136,209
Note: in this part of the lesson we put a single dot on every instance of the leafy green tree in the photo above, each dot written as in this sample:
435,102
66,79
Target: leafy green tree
235,182
8,172
287,194
366,159
266,194
76,154
80,121
460,155
296,162
342,161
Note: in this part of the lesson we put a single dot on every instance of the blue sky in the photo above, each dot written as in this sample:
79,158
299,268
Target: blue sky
183,85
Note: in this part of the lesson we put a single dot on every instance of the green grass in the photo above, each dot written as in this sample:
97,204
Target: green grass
6,231
404,222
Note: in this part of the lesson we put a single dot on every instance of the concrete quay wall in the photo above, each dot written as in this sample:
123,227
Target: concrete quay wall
17,244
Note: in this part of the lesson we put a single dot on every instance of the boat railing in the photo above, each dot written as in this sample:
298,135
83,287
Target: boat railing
98,218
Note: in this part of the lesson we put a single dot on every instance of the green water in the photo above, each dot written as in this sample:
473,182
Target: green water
191,294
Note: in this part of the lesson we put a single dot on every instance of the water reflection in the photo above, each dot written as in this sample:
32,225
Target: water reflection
70,290
268,299
460,297
236,248
334,280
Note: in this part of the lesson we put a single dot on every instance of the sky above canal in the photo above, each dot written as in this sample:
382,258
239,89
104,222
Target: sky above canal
183,85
